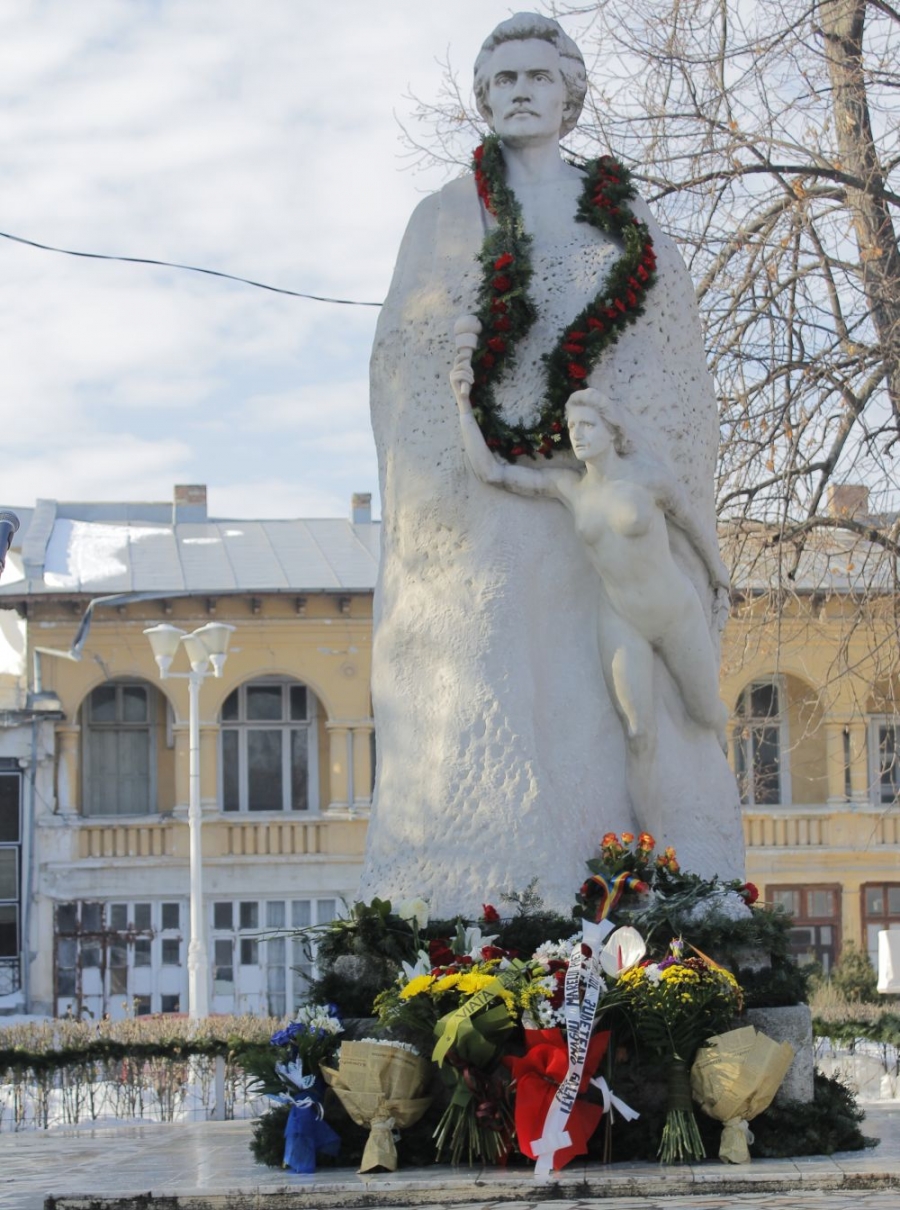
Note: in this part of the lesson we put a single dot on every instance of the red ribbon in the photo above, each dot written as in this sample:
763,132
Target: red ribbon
538,1074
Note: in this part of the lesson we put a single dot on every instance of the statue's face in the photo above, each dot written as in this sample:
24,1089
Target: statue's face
526,91
589,435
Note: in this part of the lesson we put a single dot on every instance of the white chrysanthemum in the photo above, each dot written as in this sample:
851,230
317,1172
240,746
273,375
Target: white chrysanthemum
414,909
556,951
727,904
654,974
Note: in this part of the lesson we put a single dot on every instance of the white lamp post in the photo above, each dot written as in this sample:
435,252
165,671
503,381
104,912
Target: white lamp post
206,649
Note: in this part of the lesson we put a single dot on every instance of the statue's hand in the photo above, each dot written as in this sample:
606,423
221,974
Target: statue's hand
461,378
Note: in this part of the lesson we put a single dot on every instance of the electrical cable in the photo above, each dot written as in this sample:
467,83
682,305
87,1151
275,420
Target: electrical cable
168,264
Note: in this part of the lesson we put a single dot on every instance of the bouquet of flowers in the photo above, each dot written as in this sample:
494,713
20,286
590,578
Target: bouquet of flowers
469,1001
675,1006
382,1085
289,1073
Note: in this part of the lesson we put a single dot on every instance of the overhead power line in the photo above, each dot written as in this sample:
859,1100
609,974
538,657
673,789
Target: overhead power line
168,264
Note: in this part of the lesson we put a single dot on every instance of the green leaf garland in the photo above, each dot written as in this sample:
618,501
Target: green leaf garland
507,312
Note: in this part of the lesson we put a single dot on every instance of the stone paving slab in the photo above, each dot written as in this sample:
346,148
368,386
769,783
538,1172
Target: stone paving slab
208,1166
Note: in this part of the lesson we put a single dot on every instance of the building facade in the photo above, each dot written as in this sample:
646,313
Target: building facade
95,752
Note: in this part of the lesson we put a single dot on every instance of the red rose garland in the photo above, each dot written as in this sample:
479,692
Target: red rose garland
507,312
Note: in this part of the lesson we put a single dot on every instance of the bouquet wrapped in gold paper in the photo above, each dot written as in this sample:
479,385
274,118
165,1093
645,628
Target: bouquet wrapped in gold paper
734,1078
382,1085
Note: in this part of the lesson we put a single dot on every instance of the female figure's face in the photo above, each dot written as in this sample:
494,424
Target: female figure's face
588,433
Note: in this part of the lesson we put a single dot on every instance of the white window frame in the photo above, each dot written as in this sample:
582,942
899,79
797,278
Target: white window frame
320,909
242,725
873,744
88,727
780,720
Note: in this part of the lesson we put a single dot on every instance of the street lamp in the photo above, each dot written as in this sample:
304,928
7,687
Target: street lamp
206,649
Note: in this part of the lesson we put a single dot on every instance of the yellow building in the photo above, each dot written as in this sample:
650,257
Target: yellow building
94,752
95,882
810,675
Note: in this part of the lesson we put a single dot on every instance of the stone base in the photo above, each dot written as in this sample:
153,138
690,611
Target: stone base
791,1024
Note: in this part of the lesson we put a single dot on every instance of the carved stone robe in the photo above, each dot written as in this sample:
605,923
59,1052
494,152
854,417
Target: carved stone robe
500,758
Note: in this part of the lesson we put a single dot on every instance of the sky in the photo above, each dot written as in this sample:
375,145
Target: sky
256,137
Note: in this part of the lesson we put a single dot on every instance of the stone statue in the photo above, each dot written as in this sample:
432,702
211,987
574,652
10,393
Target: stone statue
501,758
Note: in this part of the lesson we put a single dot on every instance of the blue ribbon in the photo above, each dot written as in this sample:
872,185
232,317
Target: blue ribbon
305,1134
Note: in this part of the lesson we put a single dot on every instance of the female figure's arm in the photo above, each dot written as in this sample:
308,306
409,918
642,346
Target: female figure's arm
673,499
523,480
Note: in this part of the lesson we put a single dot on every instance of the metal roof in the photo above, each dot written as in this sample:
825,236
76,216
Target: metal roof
68,555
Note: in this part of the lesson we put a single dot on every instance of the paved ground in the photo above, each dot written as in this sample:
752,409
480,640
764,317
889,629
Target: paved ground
208,1166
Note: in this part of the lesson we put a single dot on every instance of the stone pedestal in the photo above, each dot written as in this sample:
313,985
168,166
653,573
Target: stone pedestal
792,1024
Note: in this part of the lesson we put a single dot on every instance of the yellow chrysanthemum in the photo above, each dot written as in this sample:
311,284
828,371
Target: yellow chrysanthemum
473,982
444,984
415,987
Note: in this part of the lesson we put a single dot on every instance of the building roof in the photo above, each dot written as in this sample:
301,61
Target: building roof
107,549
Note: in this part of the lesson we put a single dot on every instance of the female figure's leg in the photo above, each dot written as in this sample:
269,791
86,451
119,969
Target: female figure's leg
627,661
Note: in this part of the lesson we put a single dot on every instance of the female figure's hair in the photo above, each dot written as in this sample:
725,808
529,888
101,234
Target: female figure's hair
620,427
520,28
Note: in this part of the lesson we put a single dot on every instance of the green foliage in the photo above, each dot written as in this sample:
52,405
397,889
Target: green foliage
359,956
267,1143
781,985
854,976
829,1123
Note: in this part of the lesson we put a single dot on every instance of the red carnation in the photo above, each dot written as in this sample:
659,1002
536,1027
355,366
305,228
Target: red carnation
478,153
575,350
619,304
488,360
595,324
502,261
576,371
516,452
502,323
497,344
489,914
556,427
498,305
545,448
492,443
631,298
491,951
502,283
750,892
641,273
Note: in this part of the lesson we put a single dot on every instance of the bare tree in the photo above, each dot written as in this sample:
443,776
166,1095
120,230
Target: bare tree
766,136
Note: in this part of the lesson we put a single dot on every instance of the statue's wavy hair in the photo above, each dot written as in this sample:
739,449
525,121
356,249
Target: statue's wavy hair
518,29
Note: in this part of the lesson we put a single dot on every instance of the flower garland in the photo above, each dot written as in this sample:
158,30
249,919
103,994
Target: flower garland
507,312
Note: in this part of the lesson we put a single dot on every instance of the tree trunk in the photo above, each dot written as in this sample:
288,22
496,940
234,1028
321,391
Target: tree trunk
843,25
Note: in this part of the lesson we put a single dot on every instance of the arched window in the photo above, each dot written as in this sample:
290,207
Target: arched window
884,749
269,748
119,750
759,745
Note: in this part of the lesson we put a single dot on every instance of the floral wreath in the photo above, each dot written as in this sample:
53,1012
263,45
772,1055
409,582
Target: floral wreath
507,312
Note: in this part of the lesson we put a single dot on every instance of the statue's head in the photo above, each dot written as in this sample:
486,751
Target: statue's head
603,408
524,27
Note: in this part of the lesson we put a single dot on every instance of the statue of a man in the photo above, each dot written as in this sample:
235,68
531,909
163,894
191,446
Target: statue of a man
501,760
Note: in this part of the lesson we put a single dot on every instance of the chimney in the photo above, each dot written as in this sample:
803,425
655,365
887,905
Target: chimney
189,503
848,500
361,508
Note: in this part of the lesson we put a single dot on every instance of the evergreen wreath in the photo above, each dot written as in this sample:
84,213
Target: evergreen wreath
507,312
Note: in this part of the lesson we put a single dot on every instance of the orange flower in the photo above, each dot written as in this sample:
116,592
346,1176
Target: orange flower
609,839
627,837
646,841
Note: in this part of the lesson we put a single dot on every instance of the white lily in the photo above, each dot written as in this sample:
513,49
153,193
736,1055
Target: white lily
474,941
422,966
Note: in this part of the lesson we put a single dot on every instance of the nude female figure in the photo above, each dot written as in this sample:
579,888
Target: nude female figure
621,503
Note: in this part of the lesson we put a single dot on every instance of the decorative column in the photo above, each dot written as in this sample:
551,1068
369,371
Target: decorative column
835,760
859,762
339,766
361,743
68,739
